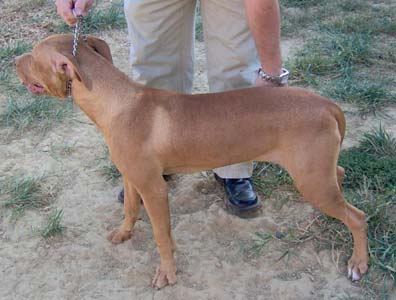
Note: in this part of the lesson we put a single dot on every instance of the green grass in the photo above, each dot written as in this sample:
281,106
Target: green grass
21,193
107,168
296,20
10,51
368,94
301,3
54,225
111,17
268,177
378,142
34,3
110,171
330,55
25,113
362,23
258,244
374,158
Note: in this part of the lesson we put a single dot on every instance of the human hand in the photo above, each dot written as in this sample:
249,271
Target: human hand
65,9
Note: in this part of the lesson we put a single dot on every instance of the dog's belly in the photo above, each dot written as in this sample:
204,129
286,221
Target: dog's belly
211,160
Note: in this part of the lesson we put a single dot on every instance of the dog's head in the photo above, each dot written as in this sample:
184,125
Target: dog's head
47,69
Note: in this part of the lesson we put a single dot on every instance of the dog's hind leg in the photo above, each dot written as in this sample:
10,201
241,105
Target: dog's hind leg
154,193
318,179
131,213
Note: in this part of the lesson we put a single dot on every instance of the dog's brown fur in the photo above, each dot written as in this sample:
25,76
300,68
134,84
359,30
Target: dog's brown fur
152,132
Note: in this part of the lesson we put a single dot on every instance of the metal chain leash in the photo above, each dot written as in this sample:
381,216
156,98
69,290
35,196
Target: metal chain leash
78,29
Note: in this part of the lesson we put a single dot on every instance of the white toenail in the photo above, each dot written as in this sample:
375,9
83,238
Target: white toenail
355,276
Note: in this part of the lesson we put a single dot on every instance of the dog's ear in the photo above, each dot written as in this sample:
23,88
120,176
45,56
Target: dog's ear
68,66
100,46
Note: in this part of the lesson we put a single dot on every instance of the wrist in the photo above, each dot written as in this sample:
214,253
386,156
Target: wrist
280,78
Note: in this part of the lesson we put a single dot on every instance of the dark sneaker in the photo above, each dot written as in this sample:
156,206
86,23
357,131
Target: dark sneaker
241,198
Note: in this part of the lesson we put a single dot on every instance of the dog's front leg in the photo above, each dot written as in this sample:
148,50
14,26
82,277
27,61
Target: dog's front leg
155,199
131,213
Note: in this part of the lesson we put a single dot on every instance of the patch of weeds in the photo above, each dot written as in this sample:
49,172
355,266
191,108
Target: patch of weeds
287,255
64,149
107,167
352,5
53,226
384,20
379,142
296,20
368,21
367,94
21,193
331,55
10,51
259,242
268,177
10,84
109,18
33,3
379,204
302,3
355,23
110,171
36,112
389,53
374,159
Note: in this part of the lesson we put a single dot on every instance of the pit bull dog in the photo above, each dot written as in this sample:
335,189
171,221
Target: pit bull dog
151,132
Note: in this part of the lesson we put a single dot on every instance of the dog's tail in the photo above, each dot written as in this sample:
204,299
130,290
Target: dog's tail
339,116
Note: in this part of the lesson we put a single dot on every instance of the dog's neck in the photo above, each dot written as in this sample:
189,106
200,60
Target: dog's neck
99,95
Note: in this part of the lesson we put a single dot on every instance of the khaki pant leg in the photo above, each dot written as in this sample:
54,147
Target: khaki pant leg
161,33
232,57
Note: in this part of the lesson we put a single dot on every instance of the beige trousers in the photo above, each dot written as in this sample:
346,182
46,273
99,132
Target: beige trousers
161,33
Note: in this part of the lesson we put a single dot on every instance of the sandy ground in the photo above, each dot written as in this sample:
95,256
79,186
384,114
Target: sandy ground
212,255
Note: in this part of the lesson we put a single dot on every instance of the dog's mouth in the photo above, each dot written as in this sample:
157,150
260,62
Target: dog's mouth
35,88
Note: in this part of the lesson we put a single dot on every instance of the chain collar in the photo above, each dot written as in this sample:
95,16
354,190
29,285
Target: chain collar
78,29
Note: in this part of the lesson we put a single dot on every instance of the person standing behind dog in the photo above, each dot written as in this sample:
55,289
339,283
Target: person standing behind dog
242,48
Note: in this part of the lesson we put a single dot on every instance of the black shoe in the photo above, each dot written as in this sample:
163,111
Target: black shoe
121,196
241,198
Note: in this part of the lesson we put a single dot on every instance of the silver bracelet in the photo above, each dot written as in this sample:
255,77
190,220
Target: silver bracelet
280,79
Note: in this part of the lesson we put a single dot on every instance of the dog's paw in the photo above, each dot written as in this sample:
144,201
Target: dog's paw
163,277
356,268
117,236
